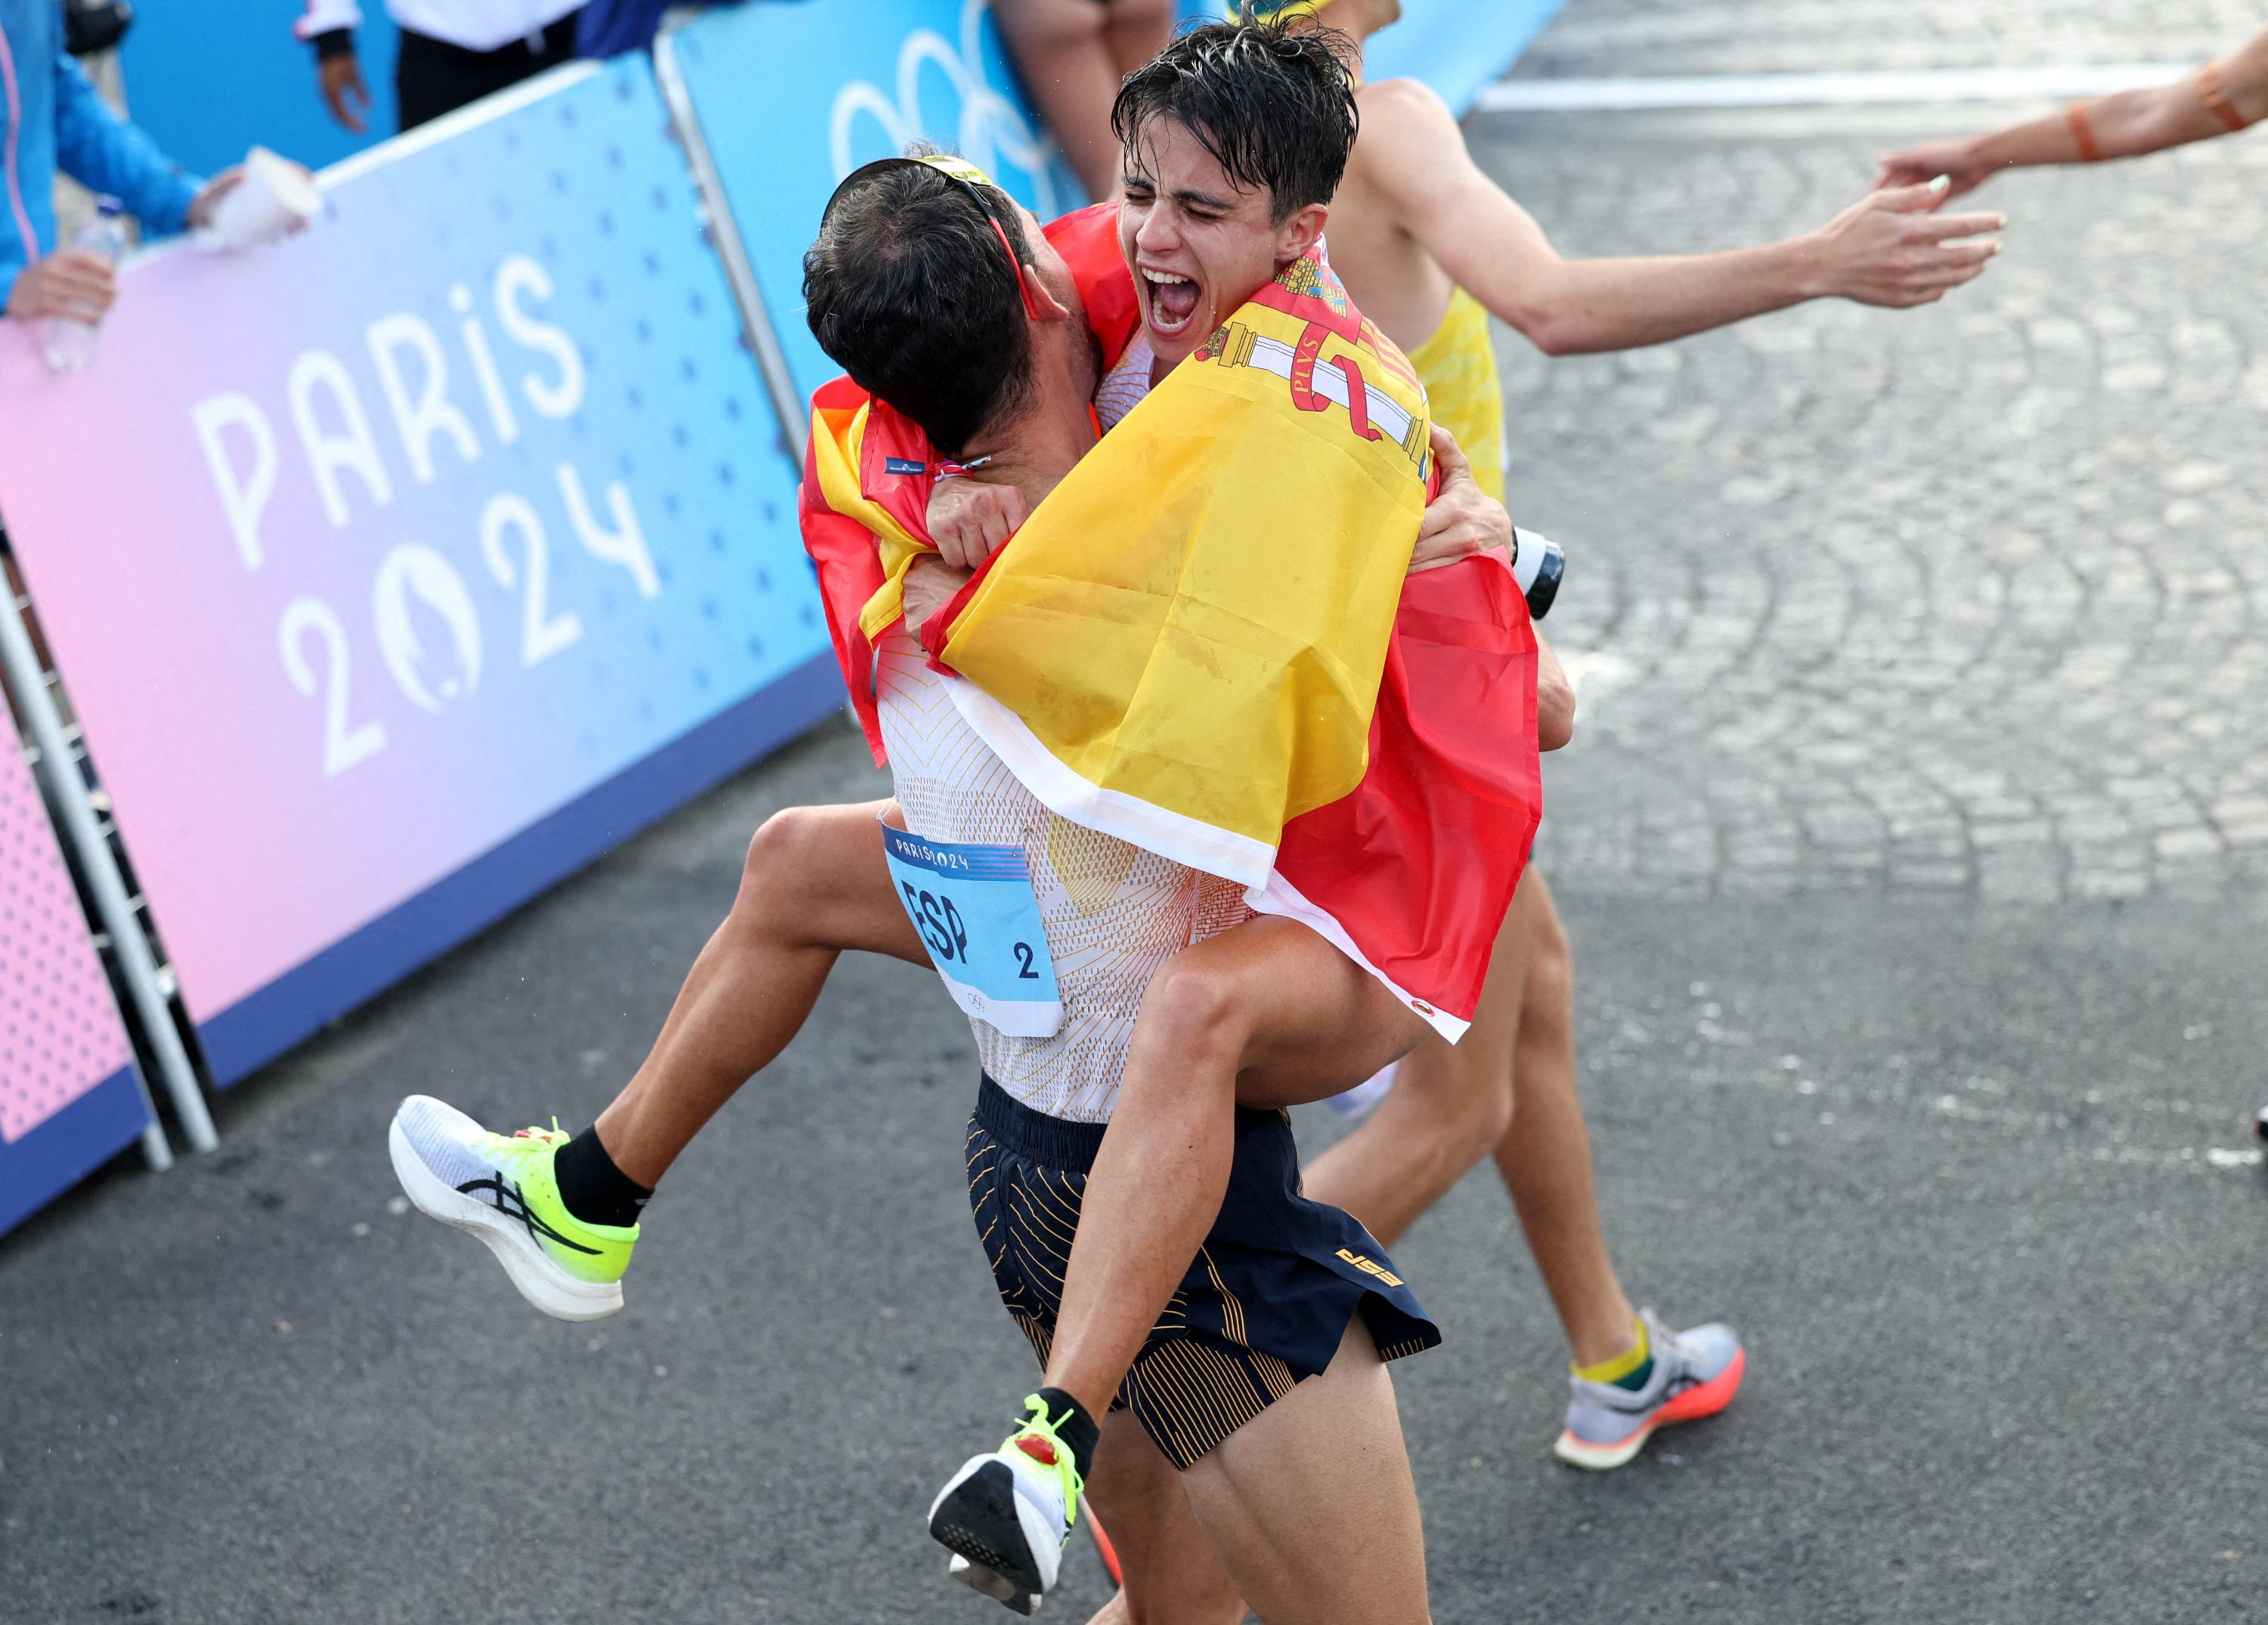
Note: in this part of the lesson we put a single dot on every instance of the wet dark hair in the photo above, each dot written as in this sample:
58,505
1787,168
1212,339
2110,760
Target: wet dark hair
1272,103
907,290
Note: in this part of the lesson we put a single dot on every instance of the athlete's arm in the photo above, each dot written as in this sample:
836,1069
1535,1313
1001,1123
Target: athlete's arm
1555,699
1888,248
968,519
2125,125
929,586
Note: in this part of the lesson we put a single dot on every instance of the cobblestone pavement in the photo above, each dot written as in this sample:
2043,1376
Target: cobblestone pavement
1964,599
1602,38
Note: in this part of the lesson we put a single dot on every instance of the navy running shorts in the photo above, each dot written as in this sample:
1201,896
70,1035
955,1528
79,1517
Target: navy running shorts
1263,1305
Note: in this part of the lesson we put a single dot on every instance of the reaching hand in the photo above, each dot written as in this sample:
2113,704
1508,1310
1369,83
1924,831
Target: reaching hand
1892,249
1464,522
73,284
208,196
1916,166
969,519
340,79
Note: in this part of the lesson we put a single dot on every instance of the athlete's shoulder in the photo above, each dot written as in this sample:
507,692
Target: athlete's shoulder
1406,110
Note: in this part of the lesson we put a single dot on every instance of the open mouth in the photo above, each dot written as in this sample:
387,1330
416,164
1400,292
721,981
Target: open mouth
1169,301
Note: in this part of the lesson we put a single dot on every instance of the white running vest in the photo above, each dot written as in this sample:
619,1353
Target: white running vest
1113,912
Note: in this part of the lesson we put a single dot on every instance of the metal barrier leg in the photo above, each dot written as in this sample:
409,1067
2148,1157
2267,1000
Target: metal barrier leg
138,967
725,237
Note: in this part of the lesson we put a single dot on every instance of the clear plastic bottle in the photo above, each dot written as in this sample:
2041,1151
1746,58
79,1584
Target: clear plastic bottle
70,343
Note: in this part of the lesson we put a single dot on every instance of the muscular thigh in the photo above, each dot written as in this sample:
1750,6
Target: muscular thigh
1171,1573
1311,1506
1318,1023
824,882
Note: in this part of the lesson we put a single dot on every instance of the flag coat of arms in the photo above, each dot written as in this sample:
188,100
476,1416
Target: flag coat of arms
1205,640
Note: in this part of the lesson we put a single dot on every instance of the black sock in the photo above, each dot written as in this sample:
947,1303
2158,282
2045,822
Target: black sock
1073,1426
595,1190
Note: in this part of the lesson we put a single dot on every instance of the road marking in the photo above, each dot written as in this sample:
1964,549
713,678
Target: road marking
1788,90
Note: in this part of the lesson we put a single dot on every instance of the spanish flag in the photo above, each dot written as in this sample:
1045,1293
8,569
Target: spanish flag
1206,642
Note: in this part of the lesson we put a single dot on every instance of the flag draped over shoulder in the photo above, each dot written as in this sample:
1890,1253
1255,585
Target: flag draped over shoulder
868,472
1204,641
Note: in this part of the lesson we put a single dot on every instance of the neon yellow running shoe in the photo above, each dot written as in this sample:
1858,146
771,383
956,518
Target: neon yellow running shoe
1004,1516
500,1188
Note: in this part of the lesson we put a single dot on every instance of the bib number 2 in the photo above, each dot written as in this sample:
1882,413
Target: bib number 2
980,919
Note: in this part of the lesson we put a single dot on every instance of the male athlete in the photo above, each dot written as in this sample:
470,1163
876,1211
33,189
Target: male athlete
1169,1385
1430,247
1414,226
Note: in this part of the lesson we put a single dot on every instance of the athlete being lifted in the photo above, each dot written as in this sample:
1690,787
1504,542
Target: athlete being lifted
1214,1385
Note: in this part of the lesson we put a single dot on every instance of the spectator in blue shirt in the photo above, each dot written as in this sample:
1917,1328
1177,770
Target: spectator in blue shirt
51,119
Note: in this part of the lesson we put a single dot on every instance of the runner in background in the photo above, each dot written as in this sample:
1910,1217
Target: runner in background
1070,54
1430,247
453,51
2220,99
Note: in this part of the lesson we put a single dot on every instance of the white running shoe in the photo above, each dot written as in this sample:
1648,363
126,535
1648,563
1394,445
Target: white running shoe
1696,1374
501,1188
1005,1515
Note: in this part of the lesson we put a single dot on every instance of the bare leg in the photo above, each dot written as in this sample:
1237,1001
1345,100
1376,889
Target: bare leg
1269,1014
1452,1106
814,884
1310,1505
1172,1576
1071,55
1546,1159
1449,1106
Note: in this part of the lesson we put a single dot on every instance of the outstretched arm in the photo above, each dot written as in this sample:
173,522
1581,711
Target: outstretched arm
1889,249
105,153
2219,98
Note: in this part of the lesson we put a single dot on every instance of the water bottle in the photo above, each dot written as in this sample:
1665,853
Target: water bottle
1537,566
69,342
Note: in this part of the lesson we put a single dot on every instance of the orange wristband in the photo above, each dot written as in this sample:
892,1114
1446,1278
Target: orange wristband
2076,115
2209,84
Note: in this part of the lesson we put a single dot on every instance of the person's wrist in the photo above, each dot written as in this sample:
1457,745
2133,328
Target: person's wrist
1806,267
333,42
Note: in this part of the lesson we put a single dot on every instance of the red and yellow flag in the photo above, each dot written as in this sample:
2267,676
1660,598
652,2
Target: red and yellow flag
1206,642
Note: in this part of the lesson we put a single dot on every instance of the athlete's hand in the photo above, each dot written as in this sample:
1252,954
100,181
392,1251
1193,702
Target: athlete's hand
1893,249
968,519
72,283
929,586
1920,165
339,79
1464,521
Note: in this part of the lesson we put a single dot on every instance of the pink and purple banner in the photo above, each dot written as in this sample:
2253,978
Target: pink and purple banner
69,1098
398,570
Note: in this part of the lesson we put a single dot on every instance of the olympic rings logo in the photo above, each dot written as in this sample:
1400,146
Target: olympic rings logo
992,133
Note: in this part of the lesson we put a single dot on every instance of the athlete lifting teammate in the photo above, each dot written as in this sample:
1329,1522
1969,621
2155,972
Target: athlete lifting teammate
1326,1019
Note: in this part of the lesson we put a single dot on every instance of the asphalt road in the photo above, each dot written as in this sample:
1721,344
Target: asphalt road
1949,1165
1920,929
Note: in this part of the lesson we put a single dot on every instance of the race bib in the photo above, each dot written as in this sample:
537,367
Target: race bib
980,919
